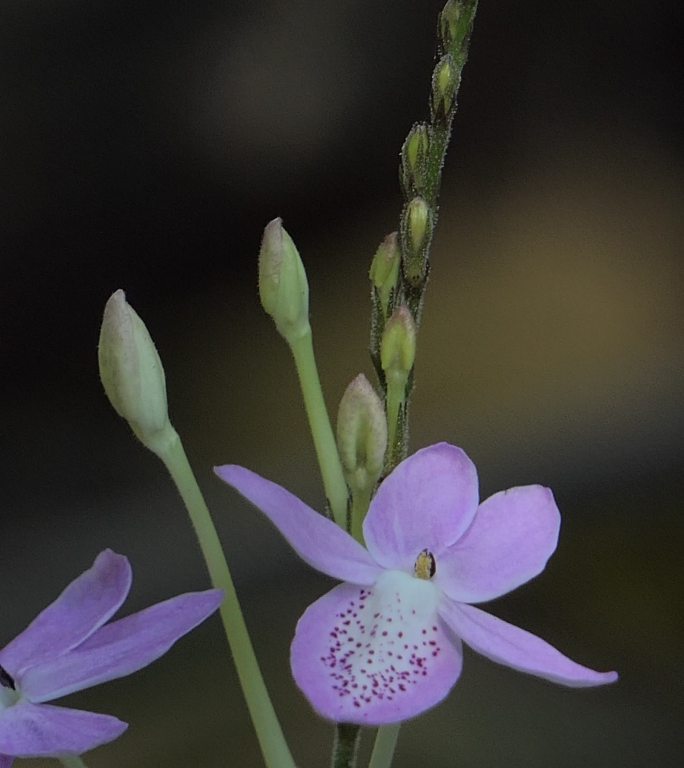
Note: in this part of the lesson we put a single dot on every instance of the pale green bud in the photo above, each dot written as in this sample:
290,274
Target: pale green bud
398,345
444,83
414,158
361,435
384,270
131,371
418,218
417,233
455,24
283,287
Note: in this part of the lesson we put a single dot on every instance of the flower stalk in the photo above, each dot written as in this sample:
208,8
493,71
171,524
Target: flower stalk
133,378
385,744
321,429
284,293
268,730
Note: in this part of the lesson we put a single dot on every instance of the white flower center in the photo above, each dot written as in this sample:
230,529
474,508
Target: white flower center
386,642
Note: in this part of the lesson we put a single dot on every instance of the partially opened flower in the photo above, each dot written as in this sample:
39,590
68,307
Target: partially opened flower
386,645
68,647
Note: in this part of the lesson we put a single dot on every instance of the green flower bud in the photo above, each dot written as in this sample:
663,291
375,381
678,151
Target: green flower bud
444,85
131,371
384,270
455,23
416,233
283,286
361,435
398,345
414,158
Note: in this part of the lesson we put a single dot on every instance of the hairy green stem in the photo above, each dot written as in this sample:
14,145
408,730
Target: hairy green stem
321,430
269,733
455,26
383,749
346,747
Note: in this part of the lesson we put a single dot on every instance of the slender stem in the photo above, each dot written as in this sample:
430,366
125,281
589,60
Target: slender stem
395,397
383,749
324,440
269,733
72,761
347,738
360,503
396,408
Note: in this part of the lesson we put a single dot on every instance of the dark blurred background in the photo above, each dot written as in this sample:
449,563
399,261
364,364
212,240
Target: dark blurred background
144,145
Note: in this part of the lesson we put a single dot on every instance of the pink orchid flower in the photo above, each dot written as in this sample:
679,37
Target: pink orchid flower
385,645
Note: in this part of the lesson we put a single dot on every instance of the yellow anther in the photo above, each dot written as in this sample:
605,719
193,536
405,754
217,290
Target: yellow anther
425,566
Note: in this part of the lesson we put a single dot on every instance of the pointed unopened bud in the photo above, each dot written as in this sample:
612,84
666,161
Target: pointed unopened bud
361,435
131,371
283,287
444,87
418,219
455,24
384,270
414,155
417,233
398,345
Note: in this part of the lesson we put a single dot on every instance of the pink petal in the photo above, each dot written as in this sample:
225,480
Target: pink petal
509,542
376,655
41,730
427,502
317,540
516,648
86,604
120,648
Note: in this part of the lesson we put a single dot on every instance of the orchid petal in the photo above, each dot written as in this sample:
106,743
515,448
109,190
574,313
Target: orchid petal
86,604
375,655
121,647
317,540
509,542
29,730
517,648
6,761
427,502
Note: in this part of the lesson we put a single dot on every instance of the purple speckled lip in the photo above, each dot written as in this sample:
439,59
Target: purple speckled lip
385,645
